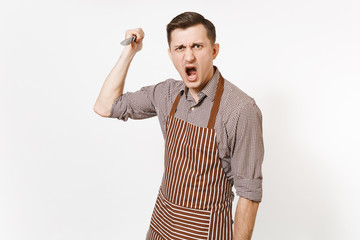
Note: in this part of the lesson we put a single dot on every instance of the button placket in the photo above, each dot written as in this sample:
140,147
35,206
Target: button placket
191,112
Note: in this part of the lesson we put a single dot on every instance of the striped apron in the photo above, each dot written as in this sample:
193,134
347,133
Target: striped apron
195,197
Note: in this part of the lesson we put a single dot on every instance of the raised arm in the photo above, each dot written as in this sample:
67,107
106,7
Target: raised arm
114,83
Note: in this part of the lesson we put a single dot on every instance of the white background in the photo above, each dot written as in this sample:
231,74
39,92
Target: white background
67,173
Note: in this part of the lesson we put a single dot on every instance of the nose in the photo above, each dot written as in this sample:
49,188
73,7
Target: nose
189,55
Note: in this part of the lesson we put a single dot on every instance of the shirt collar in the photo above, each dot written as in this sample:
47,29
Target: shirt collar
210,88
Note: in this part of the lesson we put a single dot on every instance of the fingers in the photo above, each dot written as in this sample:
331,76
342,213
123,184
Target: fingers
138,32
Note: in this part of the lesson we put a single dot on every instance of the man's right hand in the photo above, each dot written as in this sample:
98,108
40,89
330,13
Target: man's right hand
137,45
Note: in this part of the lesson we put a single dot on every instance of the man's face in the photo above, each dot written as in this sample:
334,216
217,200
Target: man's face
192,54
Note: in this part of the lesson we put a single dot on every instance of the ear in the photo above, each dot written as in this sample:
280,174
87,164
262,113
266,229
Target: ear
216,49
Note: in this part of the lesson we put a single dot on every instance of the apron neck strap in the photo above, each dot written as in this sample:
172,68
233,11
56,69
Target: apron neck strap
215,107
216,103
176,102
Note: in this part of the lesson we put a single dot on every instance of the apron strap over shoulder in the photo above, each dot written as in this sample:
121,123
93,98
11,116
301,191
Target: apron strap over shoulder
216,103
173,109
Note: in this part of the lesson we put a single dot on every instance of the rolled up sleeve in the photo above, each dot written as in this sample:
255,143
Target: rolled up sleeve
137,105
247,153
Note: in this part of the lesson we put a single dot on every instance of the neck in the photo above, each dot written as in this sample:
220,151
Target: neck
194,94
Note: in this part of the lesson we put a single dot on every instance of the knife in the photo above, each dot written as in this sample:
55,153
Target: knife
128,40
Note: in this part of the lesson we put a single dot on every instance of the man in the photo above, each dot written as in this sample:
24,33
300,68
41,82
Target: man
213,134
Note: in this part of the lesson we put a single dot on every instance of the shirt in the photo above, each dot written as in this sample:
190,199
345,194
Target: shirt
238,124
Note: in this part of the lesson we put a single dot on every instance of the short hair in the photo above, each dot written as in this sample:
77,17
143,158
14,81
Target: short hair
189,19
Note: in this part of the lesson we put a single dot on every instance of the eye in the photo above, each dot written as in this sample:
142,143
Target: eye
197,46
179,48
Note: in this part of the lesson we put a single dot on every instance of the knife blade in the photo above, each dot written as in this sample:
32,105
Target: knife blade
128,40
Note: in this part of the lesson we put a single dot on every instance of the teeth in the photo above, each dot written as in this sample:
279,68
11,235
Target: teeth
192,77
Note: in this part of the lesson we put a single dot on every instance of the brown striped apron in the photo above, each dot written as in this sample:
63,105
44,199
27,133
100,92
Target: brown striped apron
195,197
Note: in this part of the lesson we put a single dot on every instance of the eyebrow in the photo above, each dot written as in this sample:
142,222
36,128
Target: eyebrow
197,43
180,45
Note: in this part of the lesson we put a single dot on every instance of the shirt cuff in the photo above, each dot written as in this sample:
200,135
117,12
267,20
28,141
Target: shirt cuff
118,108
249,188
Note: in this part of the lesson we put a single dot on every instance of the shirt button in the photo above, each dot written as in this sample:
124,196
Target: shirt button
192,109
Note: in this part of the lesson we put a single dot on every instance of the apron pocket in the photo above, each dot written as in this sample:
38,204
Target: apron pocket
172,221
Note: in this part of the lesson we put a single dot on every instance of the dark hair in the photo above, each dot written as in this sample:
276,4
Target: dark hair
189,19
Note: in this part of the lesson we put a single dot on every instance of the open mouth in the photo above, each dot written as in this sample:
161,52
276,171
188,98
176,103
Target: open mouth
191,73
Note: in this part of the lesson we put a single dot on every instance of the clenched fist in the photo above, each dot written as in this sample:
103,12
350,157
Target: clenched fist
138,43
